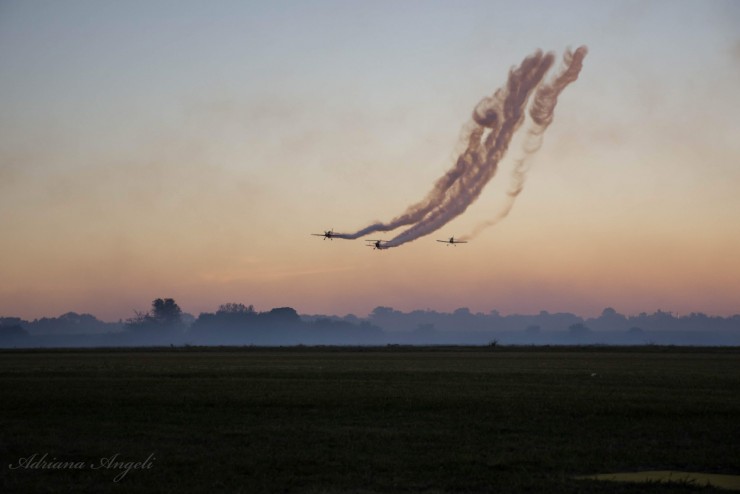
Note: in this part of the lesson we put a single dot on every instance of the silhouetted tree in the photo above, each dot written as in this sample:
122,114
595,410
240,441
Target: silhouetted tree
139,321
609,320
166,312
281,315
231,323
12,321
70,322
233,308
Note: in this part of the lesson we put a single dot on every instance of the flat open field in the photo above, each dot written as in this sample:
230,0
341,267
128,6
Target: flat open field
365,420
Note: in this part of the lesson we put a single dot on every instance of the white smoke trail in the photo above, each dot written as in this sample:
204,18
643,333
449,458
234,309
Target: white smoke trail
504,113
542,113
487,136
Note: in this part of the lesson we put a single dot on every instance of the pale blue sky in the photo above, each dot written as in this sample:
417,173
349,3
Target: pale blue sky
93,57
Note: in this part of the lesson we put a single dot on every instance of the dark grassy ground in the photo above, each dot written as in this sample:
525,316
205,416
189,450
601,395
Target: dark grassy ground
381,420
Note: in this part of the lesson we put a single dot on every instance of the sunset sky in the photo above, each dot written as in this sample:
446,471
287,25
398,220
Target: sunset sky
188,149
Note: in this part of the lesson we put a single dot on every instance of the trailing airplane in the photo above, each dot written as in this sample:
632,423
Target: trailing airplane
376,244
452,241
327,234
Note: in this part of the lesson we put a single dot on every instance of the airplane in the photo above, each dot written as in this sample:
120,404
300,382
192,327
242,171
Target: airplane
376,244
327,234
452,241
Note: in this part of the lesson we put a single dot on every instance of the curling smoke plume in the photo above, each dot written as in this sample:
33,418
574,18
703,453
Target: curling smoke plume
494,121
542,112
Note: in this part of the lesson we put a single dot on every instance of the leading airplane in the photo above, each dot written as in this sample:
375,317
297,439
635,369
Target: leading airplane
376,244
327,234
452,241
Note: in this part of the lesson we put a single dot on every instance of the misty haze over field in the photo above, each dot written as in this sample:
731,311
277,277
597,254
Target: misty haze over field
238,324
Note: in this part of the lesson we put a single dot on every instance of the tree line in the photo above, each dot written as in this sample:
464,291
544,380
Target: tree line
165,323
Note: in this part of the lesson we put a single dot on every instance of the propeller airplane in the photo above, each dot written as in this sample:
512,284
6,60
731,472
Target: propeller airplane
452,241
376,244
327,234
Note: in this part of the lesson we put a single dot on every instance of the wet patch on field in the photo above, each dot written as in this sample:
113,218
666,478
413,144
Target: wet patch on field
730,482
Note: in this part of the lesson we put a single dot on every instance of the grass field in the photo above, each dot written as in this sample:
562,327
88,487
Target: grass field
374,420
